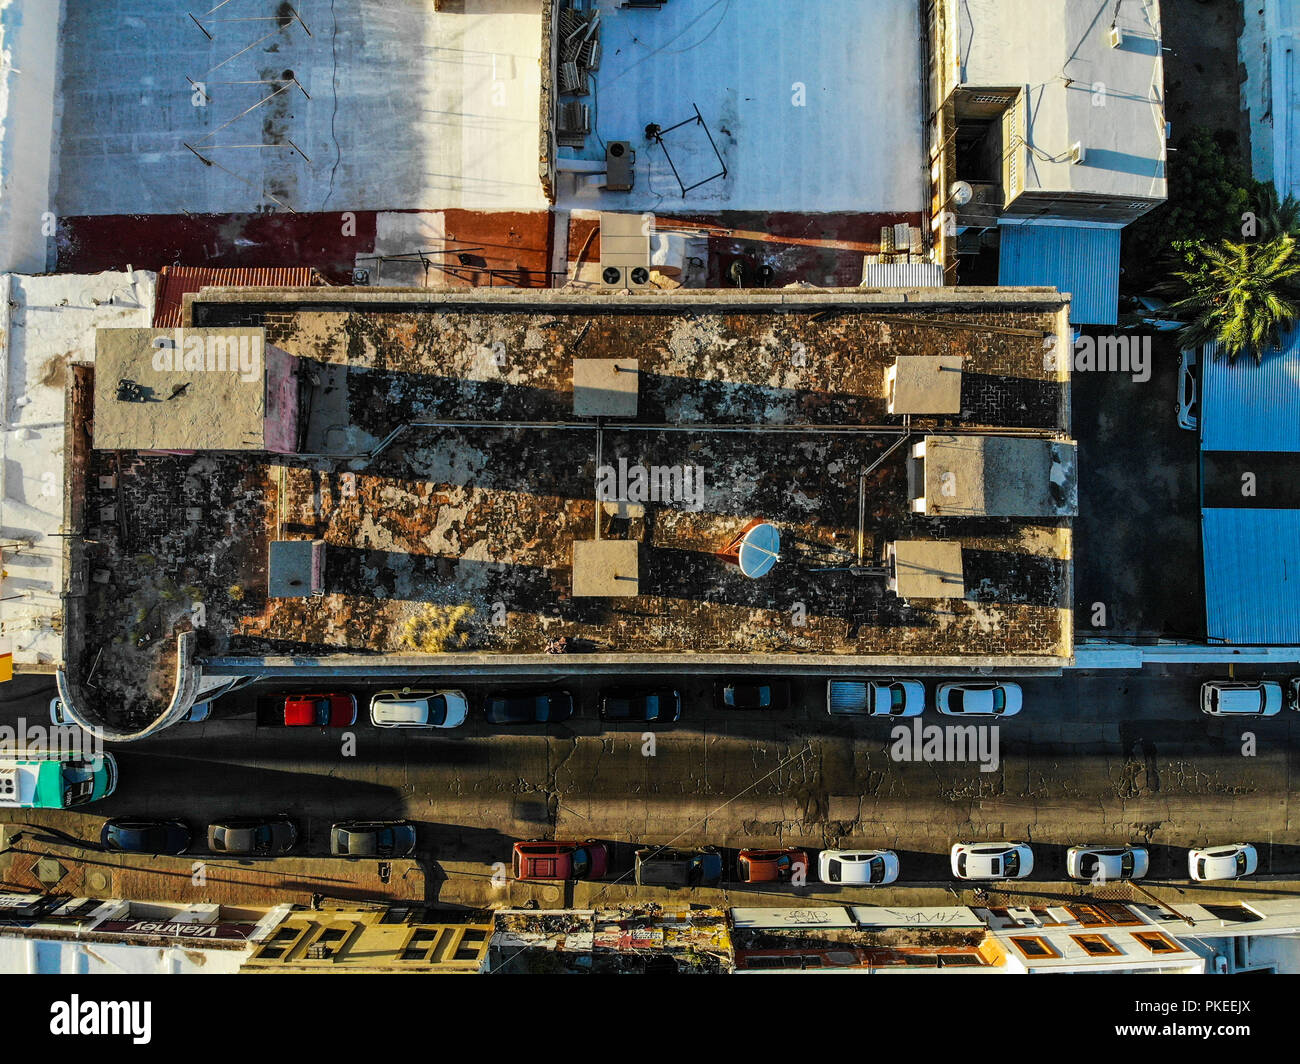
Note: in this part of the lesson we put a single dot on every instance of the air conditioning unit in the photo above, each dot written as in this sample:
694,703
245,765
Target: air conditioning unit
624,251
360,276
619,162
1077,152
8,786
1116,36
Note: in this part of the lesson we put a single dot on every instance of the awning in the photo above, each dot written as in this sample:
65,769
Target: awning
1080,260
1249,406
1252,576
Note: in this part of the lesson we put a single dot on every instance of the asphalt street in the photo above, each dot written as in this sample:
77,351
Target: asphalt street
1093,758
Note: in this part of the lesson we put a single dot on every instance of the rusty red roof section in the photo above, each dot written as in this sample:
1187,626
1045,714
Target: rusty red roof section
175,281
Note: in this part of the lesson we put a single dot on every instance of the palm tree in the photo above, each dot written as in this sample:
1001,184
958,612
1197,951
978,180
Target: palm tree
1241,295
1277,217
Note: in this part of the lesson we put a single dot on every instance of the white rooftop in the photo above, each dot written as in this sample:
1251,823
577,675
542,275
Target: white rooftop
1080,89
409,107
813,107
46,323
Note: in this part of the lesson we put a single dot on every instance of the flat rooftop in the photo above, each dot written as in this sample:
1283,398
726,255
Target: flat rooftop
810,110
380,106
456,541
1081,89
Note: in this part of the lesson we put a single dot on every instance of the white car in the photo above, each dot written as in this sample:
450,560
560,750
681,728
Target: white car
978,699
1187,404
59,716
1240,698
1232,861
875,698
419,709
1107,864
992,860
859,868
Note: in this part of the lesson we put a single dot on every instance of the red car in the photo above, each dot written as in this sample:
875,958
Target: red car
770,866
322,711
560,860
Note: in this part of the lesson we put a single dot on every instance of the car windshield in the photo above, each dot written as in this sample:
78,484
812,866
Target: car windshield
437,710
540,707
999,700
322,707
834,871
1088,865
1010,863
1241,863
897,698
262,836
652,707
1126,863
877,870
581,862
957,701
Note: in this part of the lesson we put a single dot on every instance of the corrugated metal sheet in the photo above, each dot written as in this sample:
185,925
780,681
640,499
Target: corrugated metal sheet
1249,407
175,281
902,275
1081,260
1252,576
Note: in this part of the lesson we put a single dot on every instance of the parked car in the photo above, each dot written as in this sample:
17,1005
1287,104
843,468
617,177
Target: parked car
658,705
419,709
1149,312
137,835
770,866
978,699
1231,861
542,859
991,860
659,866
262,836
1107,863
865,868
528,707
1241,698
1188,403
875,698
1293,693
322,711
59,716
372,838
752,694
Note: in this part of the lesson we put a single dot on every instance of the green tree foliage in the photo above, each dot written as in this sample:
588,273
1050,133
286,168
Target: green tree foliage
1242,295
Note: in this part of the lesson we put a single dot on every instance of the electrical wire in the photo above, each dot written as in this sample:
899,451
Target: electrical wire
334,84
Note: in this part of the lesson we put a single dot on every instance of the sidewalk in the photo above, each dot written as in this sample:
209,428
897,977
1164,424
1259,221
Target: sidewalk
39,867
468,884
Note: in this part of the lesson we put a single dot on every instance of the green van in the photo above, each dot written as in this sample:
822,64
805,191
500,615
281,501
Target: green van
55,783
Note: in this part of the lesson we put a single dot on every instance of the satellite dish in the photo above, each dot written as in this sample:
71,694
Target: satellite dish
760,549
962,193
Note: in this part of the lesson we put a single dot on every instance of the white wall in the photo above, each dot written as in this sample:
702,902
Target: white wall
29,54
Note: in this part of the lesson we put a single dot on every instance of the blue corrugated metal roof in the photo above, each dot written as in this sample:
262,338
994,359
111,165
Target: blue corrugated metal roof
1252,576
1081,260
1249,407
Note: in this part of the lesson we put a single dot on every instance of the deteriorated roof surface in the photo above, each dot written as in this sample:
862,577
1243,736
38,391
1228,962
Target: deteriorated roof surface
458,537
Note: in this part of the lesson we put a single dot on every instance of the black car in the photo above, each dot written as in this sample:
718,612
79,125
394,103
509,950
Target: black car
372,838
658,866
131,835
752,694
528,707
259,836
659,705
